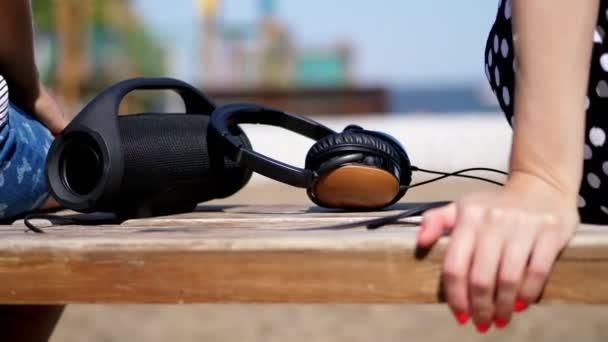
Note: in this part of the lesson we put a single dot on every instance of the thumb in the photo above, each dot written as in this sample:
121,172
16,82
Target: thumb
56,126
434,223
50,114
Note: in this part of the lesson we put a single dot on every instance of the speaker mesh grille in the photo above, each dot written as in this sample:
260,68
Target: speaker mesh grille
170,152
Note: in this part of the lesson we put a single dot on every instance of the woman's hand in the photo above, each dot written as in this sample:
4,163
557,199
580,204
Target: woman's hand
502,247
48,112
40,103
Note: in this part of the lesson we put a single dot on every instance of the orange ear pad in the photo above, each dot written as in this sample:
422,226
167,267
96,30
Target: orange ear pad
369,183
356,187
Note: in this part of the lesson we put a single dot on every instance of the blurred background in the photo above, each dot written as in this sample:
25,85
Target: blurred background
414,69
313,57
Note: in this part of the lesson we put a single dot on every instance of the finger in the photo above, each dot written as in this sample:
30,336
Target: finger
54,122
49,113
516,254
56,127
546,250
456,265
484,268
435,222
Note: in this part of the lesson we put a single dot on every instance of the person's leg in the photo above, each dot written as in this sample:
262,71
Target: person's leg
501,70
24,144
28,323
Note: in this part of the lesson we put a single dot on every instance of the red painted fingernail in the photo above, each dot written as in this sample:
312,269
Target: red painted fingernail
520,305
421,230
501,323
461,317
482,327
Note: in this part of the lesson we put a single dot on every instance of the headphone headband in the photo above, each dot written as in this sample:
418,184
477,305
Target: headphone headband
228,116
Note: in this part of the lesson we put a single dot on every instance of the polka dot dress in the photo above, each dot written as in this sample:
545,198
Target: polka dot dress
501,69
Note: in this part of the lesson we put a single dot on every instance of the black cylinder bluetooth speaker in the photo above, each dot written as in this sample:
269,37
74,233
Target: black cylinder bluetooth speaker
142,164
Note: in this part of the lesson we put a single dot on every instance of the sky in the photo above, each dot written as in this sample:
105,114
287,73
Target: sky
397,42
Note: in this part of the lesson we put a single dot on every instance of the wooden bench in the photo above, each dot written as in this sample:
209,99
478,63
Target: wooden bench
254,254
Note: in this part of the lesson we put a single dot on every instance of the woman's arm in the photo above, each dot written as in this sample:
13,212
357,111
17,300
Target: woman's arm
503,244
18,64
553,42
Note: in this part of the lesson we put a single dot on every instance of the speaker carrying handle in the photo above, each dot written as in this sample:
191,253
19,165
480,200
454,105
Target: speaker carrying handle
195,101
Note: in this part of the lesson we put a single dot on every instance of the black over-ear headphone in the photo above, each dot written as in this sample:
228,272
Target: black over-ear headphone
355,169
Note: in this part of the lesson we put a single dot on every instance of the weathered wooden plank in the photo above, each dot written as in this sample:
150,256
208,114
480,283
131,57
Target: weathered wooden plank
254,256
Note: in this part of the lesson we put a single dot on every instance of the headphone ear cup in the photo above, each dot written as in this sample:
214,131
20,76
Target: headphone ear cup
349,142
372,183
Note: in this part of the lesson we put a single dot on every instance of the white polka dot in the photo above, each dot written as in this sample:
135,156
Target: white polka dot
490,57
604,61
587,102
593,180
605,168
497,76
496,42
588,153
581,202
508,9
506,96
598,35
504,48
602,89
604,209
597,136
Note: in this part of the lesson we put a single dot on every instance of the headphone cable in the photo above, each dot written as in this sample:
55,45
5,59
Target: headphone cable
60,220
458,173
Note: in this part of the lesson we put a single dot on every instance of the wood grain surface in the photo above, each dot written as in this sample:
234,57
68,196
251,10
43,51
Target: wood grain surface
254,254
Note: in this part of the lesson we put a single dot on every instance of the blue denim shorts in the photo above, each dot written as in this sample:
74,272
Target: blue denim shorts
24,144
